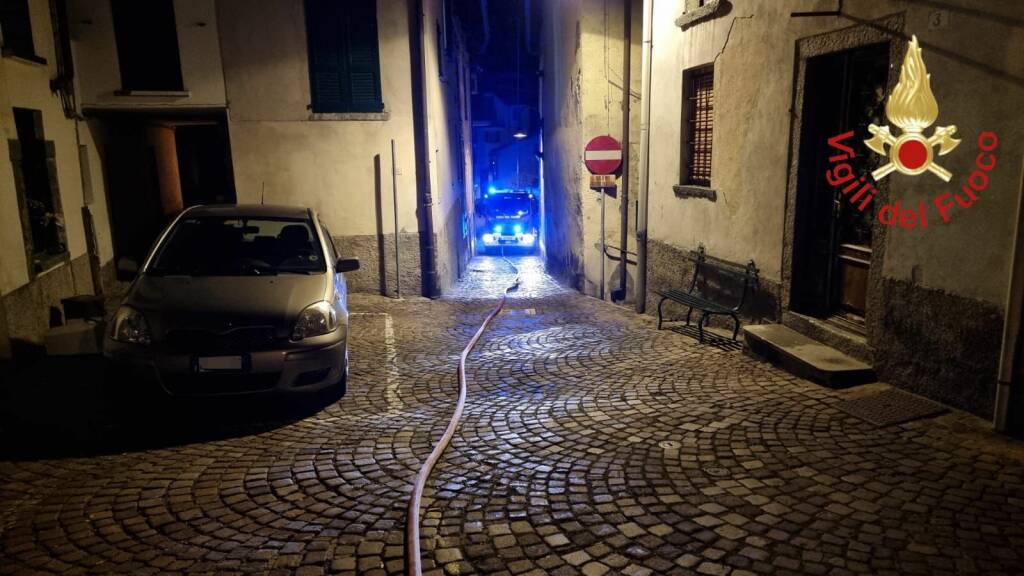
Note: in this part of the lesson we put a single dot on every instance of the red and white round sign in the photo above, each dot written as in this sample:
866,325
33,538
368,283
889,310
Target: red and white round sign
603,155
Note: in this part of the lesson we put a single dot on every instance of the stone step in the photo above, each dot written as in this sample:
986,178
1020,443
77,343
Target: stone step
805,357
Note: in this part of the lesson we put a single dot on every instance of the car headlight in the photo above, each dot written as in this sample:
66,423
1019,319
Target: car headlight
316,320
497,229
517,229
528,238
488,238
130,327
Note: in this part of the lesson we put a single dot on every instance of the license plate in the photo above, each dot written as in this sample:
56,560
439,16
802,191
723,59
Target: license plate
215,363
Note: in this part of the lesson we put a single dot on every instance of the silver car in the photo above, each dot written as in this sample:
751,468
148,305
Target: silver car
235,300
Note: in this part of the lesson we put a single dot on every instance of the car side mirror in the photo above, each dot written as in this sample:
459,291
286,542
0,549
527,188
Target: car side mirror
347,265
127,268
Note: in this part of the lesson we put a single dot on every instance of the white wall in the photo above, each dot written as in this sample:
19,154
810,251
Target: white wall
27,85
751,134
445,120
279,150
753,51
92,29
583,86
284,153
563,137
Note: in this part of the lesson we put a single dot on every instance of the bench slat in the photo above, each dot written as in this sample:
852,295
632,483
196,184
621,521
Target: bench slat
693,300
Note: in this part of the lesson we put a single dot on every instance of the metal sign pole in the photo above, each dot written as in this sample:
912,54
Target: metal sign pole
398,237
602,192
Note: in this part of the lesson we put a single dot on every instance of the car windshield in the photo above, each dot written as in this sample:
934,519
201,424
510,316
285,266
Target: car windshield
509,204
239,246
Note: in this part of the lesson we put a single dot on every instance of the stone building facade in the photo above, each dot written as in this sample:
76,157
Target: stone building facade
744,99
582,97
134,111
55,238
287,148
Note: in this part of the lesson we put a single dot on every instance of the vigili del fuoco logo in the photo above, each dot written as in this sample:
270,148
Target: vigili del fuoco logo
912,108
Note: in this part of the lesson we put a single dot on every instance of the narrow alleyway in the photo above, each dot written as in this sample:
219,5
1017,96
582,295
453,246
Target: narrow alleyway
592,444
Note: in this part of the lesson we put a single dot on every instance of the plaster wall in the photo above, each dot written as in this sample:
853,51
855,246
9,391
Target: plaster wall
339,165
583,87
978,85
25,84
563,139
92,30
602,95
282,153
935,295
752,51
450,153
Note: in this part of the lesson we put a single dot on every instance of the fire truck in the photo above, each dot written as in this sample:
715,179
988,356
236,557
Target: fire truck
507,219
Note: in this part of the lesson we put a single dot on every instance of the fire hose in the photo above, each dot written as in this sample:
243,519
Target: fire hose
413,562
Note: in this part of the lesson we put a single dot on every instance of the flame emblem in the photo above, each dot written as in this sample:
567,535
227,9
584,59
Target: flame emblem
912,108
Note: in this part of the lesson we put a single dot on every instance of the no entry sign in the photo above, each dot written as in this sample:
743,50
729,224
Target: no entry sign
603,155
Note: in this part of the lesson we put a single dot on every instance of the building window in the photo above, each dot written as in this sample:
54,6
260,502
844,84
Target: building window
147,45
344,61
35,180
699,110
16,28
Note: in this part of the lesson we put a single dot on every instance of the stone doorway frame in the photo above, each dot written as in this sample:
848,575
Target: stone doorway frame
863,33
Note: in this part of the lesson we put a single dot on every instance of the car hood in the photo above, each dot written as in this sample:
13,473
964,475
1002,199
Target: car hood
223,303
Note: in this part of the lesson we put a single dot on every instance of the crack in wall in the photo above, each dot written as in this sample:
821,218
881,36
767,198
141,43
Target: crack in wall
728,35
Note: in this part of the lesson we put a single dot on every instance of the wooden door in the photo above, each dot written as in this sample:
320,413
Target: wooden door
832,238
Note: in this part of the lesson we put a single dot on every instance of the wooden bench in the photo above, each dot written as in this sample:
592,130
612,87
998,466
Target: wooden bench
708,308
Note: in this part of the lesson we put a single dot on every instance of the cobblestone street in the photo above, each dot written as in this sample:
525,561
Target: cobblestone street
591,444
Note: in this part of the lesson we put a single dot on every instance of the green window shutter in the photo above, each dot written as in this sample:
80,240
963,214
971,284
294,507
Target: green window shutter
344,56
363,57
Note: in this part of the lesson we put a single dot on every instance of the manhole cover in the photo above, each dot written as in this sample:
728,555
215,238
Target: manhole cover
669,444
890,407
716,471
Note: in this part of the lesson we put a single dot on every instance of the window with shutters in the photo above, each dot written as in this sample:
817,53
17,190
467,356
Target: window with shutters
147,45
16,29
698,125
344,61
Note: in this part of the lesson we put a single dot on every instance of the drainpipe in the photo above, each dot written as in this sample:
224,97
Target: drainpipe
421,126
484,12
540,163
1008,357
627,43
645,159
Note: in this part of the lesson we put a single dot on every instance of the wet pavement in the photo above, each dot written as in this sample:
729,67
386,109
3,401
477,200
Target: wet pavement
592,444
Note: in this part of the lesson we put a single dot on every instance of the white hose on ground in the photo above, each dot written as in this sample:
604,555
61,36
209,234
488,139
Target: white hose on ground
413,562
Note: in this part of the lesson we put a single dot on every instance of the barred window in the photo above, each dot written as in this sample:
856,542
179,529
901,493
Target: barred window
699,91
